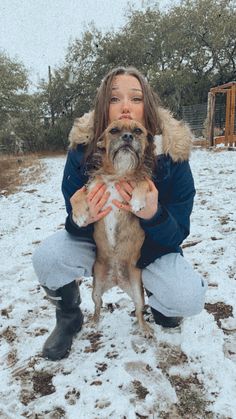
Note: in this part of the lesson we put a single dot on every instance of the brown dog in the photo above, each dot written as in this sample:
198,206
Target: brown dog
126,152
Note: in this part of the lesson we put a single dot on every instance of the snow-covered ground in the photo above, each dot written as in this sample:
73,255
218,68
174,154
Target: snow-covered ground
113,372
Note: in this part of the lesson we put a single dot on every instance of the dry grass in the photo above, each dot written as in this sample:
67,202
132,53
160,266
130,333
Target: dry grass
16,171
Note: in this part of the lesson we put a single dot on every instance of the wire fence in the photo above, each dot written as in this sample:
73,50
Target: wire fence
196,117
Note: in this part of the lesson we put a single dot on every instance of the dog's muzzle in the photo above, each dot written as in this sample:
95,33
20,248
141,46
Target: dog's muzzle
126,147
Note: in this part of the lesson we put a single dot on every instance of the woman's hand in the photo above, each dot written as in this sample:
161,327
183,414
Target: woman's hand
94,201
125,190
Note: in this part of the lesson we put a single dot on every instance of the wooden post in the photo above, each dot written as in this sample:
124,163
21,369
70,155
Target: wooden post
229,137
232,113
227,117
210,118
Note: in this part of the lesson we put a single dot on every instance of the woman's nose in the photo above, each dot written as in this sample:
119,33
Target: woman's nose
125,106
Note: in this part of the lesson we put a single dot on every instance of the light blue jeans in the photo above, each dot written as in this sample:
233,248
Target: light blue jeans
177,290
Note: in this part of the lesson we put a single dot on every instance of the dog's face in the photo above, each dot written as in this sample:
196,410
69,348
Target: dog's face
125,142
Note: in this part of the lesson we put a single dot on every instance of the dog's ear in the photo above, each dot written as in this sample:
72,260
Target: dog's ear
150,137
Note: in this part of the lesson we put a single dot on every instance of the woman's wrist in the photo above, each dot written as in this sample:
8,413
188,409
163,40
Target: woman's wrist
159,217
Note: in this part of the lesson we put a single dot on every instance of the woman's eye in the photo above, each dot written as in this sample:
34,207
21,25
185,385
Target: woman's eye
138,131
114,130
114,99
137,99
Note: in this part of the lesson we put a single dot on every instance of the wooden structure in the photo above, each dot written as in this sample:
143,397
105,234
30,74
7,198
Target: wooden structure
229,137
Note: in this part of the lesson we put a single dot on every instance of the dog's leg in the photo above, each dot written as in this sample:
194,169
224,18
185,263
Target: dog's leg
138,200
81,210
135,279
99,275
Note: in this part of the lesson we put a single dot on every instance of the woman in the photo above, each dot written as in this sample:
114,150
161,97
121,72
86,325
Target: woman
174,289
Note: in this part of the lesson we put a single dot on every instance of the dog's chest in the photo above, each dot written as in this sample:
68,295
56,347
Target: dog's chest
110,220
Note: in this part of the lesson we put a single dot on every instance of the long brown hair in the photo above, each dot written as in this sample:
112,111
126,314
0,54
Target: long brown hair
102,102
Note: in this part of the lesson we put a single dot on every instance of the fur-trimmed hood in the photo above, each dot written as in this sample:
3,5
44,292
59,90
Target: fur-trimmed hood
175,140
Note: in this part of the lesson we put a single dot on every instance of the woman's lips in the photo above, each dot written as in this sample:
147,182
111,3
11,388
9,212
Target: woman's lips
125,116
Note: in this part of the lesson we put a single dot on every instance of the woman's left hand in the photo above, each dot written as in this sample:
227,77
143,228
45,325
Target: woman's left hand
125,190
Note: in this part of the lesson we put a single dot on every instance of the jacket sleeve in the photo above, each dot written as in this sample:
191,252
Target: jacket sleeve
73,179
171,224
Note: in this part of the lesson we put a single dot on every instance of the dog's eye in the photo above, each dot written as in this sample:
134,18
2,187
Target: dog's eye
114,130
138,131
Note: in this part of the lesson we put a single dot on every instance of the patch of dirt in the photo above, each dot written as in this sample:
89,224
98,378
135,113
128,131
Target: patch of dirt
96,383
102,404
231,272
219,310
42,383
57,413
40,331
34,384
171,414
110,307
191,243
112,355
224,219
12,358
101,367
9,334
6,311
170,355
18,170
140,390
190,392
95,343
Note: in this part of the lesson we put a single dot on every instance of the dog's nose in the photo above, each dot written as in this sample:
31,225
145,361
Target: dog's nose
127,137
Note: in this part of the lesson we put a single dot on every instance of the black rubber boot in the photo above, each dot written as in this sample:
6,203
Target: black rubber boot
162,320
165,321
69,321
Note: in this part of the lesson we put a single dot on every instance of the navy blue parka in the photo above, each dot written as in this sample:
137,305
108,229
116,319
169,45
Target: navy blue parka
165,232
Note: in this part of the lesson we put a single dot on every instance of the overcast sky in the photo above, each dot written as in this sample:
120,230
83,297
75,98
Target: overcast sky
37,32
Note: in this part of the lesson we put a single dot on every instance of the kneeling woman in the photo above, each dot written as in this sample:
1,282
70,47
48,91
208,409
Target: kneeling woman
174,289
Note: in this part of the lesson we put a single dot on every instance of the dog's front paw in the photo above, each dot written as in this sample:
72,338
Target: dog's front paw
147,331
137,204
80,220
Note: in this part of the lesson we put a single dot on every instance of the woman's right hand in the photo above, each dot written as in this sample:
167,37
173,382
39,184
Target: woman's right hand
95,201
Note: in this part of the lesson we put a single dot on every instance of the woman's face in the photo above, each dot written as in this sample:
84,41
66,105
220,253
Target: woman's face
126,99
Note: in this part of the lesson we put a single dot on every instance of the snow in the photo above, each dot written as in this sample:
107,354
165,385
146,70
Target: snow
112,371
